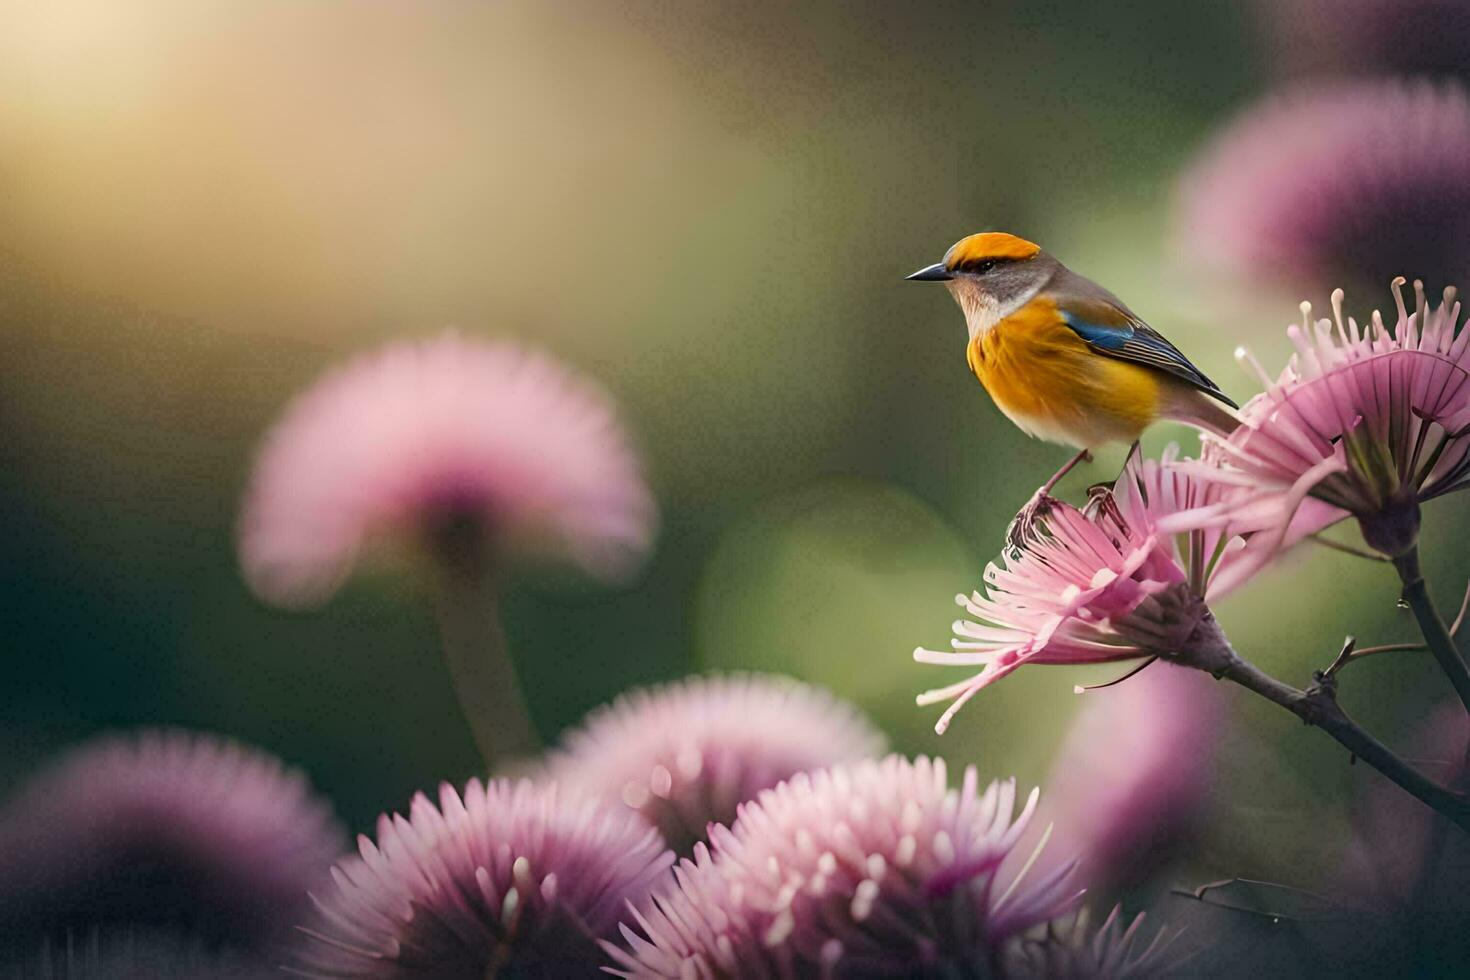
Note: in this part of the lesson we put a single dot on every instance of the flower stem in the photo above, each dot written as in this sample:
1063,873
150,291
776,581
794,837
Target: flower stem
1436,635
479,662
1317,706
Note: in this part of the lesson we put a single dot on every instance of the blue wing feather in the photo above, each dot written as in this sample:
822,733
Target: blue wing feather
1115,332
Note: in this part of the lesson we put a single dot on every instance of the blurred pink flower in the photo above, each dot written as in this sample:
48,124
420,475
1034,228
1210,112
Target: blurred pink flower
1126,577
448,435
687,754
1351,181
1068,949
168,829
1370,423
513,877
876,868
1130,782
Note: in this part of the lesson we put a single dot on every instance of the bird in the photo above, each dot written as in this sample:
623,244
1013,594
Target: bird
1064,359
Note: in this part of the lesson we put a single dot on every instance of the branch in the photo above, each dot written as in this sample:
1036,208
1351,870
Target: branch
1209,650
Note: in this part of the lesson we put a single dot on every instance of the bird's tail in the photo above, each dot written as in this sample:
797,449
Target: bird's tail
1203,412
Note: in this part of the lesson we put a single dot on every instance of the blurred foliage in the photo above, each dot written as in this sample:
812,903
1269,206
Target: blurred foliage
708,205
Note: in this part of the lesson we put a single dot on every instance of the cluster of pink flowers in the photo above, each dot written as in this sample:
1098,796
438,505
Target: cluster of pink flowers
754,826
878,868
749,826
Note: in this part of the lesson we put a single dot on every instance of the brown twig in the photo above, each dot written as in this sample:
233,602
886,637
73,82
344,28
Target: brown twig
1209,650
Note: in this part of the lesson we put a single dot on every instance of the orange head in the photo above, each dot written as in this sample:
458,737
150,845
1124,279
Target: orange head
990,275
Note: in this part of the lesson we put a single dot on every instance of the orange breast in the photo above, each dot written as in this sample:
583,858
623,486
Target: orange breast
1054,387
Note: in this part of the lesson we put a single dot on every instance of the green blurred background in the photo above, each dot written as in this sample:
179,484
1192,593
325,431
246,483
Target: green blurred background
709,206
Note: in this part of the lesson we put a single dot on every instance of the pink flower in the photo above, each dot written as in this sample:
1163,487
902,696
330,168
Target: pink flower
868,869
1370,423
452,436
517,878
167,829
1124,578
687,754
1349,181
1130,782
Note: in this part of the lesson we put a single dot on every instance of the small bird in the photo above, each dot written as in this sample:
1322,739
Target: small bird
1065,359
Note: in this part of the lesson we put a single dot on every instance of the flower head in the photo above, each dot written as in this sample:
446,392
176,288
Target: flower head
168,829
517,877
1369,422
687,754
1125,577
450,436
1133,774
876,868
1352,182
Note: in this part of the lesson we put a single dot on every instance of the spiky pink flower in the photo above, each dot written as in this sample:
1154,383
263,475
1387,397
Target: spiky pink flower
453,435
1068,949
1126,577
1369,422
164,828
513,878
685,755
1350,181
1130,782
875,868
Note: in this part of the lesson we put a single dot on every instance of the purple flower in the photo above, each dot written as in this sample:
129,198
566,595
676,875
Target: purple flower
1371,423
1130,781
687,754
875,868
1355,182
163,828
518,878
437,442
1125,578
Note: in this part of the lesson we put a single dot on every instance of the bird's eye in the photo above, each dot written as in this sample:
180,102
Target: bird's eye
982,267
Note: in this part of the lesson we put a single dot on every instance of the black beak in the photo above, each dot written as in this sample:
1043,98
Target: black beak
931,273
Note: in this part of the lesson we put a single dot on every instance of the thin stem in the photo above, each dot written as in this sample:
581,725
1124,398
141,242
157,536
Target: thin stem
1437,636
485,682
1317,706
